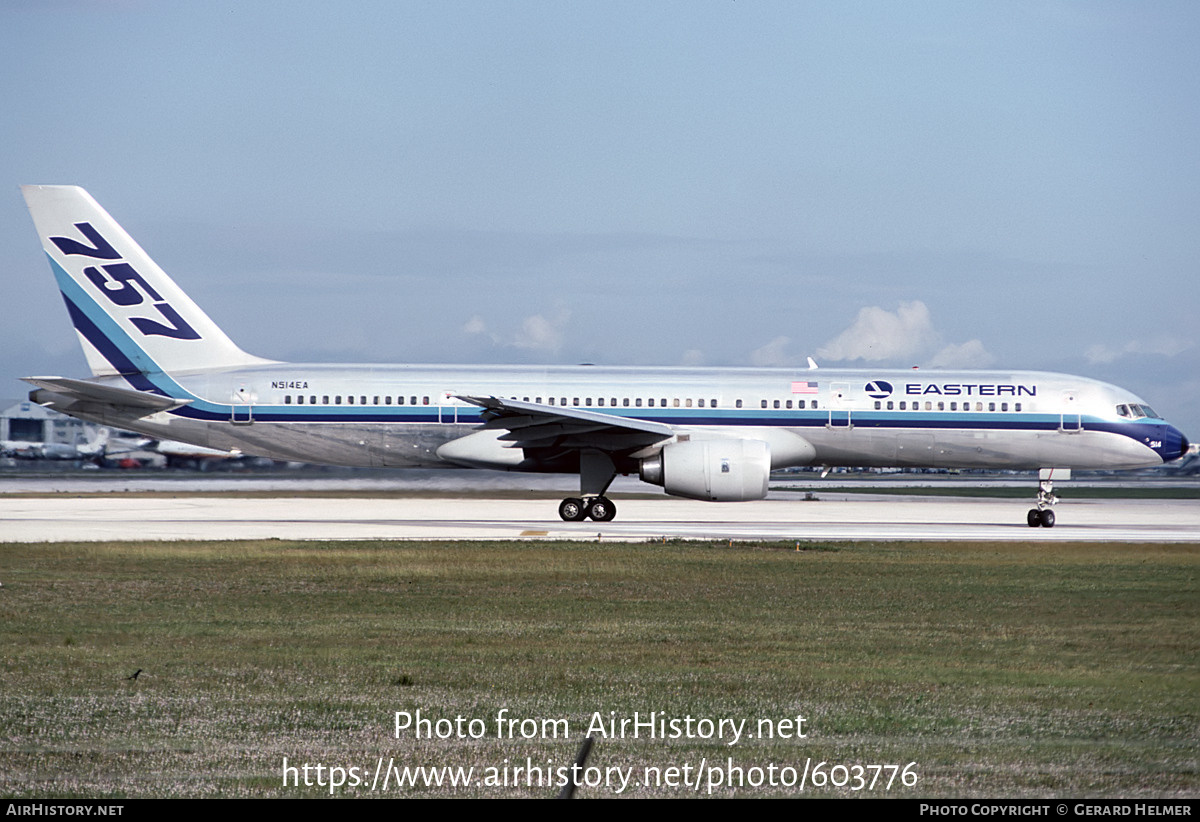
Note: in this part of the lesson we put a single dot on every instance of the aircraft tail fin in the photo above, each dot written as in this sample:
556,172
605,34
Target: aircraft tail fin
130,316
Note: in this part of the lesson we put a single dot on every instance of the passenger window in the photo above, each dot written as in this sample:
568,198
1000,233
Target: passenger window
764,403
324,399
349,399
891,405
600,401
650,402
941,406
587,401
687,403
737,404
775,404
1017,407
312,400
424,400
788,404
814,404
300,400
625,402
800,404
287,400
991,406
903,405
638,402
878,405
1003,406
701,402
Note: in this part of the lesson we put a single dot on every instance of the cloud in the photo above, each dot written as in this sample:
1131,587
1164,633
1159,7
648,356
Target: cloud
905,335
1101,354
970,354
772,354
879,335
540,333
537,332
692,357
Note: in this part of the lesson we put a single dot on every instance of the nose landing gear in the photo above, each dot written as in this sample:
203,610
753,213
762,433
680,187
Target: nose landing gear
1042,515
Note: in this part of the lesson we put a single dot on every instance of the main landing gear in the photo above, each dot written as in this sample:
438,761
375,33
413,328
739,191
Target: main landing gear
596,473
601,509
1042,515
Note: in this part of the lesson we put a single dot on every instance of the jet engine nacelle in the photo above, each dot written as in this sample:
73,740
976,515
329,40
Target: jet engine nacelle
717,470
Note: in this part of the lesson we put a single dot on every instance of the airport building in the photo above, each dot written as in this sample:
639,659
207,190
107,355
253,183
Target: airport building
25,421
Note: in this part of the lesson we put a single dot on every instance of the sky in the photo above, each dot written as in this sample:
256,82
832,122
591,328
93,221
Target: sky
1009,185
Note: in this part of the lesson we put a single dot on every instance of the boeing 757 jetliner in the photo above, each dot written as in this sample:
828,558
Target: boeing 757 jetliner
161,367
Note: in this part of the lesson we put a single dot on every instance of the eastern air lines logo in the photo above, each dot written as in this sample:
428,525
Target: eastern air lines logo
878,389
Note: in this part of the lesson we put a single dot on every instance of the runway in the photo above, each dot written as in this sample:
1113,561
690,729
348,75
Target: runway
782,516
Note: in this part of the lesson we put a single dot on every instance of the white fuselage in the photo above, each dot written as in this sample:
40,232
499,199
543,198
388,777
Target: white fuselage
382,415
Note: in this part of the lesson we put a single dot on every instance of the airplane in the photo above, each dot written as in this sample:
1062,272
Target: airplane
160,366
184,454
95,448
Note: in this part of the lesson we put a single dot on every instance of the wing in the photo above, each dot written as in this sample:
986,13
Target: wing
536,427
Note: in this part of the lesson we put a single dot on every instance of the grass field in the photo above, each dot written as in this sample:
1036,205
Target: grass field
1000,670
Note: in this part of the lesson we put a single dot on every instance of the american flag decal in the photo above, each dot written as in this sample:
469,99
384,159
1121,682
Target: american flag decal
806,387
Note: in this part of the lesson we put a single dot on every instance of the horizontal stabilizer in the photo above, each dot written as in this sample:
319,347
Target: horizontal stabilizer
92,392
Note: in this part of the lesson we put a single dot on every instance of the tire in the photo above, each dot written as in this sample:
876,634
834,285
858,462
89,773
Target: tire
572,510
601,509
1047,517
1034,518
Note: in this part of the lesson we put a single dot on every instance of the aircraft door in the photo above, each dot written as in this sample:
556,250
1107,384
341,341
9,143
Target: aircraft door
1070,419
241,409
839,406
447,408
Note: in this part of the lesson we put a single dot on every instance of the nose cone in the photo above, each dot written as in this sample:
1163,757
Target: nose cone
1174,444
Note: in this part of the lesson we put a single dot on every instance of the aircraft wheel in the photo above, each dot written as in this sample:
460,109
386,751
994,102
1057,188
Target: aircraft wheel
572,509
1035,518
601,509
1047,518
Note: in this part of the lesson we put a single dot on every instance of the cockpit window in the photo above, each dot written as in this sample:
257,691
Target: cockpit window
1137,412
